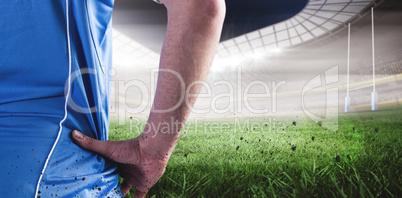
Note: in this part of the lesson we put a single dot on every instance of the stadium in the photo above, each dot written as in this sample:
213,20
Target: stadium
201,98
271,120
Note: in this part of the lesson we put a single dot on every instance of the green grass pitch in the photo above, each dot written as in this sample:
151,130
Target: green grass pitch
362,158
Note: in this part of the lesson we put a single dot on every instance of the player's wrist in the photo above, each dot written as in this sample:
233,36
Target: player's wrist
155,148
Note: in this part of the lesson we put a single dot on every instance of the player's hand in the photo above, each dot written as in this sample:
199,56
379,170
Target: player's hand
135,166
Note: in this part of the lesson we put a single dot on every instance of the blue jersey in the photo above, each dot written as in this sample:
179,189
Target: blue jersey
55,55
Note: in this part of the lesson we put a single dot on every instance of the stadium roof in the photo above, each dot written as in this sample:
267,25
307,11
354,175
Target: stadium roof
319,19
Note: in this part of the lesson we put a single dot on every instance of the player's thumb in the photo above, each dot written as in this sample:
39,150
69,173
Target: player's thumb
101,147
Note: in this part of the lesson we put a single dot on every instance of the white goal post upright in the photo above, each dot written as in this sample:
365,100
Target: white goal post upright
347,98
374,95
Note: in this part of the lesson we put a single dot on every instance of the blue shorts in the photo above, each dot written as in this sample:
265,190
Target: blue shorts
55,55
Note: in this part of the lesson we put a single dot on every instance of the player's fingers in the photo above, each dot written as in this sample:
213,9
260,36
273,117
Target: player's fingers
125,188
104,148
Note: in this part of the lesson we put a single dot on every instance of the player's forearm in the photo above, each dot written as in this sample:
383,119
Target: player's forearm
190,44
